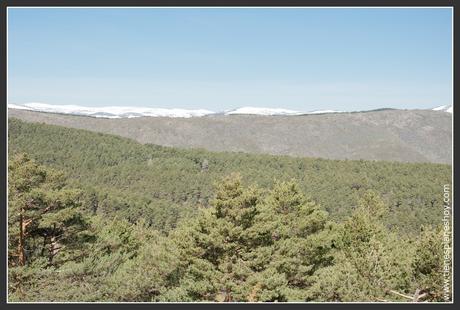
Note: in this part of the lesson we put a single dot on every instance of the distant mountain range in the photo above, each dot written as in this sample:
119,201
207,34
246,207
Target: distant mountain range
131,112
110,112
271,111
385,134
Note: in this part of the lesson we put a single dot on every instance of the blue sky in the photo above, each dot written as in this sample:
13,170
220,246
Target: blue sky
299,58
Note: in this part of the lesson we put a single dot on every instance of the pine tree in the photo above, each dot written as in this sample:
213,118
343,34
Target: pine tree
428,263
44,221
251,248
215,245
290,241
367,261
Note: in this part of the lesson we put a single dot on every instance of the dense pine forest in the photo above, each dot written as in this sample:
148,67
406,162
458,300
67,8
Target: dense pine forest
96,217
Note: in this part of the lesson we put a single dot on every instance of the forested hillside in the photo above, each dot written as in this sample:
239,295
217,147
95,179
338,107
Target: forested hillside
394,135
135,180
105,218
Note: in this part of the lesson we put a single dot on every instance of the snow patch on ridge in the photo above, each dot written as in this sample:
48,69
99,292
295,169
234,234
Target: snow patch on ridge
274,111
262,111
444,108
325,111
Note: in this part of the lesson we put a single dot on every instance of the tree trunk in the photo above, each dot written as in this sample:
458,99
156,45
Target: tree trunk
54,245
44,245
228,295
22,258
22,237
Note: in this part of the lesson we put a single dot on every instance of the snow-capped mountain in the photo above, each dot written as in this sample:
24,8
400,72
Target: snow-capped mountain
444,108
262,111
130,112
325,111
110,112
272,111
